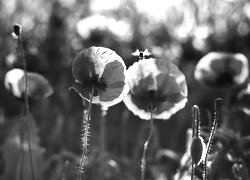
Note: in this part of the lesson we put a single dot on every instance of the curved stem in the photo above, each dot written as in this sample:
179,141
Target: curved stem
85,135
145,147
27,111
195,132
217,108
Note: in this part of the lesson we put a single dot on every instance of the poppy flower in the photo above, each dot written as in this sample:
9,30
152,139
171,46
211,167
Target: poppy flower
38,86
102,69
156,83
243,99
121,29
222,70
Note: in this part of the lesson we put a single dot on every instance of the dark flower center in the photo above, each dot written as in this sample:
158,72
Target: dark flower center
98,84
148,99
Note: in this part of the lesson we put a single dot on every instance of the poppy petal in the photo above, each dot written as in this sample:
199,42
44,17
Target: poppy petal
38,86
222,70
83,67
108,70
132,106
11,80
158,83
113,72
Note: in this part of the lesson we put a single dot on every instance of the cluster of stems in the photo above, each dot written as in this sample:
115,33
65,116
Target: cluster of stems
196,134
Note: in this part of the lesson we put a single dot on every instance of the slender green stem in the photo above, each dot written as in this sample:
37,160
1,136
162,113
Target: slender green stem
85,135
21,162
124,124
195,132
65,166
26,120
145,147
217,109
102,141
194,124
103,130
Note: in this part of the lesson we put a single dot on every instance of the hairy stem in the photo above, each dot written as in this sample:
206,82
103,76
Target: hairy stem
85,135
27,111
217,109
145,147
195,132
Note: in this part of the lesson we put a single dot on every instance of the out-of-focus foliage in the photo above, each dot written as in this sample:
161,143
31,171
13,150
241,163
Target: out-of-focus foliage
53,32
14,156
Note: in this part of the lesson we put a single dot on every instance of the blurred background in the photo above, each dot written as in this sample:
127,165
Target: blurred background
54,31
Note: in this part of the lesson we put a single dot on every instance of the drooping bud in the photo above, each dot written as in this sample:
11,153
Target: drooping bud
17,30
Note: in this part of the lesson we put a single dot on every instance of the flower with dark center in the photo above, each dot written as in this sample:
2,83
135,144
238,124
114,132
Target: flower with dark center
103,70
158,85
99,75
222,70
38,87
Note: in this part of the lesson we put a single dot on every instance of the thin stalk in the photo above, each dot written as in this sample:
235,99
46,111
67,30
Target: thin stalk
124,124
27,111
102,137
217,106
65,166
85,135
102,140
195,132
145,147
21,162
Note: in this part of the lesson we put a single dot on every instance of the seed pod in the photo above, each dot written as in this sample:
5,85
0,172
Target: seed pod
197,150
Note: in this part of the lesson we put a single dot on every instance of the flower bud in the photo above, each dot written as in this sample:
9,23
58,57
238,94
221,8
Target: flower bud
17,30
197,150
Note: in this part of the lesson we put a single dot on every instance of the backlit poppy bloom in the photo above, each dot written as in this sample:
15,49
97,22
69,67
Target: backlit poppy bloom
102,69
222,70
155,83
243,100
121,29
38,86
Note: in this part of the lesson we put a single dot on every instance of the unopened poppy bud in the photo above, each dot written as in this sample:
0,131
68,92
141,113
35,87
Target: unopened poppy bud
197,150
17,29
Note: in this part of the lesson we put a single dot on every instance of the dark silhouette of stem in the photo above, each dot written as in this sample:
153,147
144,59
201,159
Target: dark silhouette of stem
195,132
102,141
124,124
217,109
103,130
27,111
145,147
85,135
